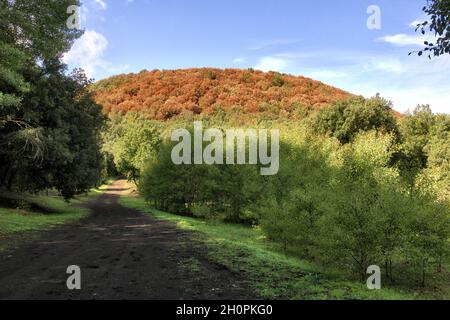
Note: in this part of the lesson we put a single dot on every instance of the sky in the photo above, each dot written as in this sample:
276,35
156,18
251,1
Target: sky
360,46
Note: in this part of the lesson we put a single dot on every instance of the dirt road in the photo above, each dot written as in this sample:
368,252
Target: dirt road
122,254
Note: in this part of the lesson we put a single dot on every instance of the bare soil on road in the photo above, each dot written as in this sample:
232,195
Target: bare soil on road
122,253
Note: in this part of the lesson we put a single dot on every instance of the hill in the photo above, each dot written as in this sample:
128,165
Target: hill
164,94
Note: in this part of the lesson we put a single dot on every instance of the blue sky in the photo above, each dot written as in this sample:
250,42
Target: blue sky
322,39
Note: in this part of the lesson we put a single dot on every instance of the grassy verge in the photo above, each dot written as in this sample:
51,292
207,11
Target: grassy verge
22,221
270,272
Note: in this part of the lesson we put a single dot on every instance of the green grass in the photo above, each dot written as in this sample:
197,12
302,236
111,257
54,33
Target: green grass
23,221
267,269
16,220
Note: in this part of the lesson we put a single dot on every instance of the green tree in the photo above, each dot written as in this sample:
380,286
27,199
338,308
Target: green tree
294,201
48,123
439,25
415,129
359,218
427,234
215,192
38,27
168,186
133,141
30,31
69,123
345,119
436,176
425,137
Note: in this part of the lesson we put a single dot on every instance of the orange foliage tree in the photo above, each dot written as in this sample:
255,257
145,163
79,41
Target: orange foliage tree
162,95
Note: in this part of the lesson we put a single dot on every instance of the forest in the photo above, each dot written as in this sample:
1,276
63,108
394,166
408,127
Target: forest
164,94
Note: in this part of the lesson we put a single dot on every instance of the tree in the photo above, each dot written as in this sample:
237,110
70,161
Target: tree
362,221
215,192
294,201
49,124
38,27
168,186
12,81
425,137
30,31
436,176
416,131
439,24
427,234
133,141
345,119
68,123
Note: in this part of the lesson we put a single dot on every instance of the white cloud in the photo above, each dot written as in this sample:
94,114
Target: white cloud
419,20
403,40
405,99
272,64
239,60
406,83
405,80
415,23
101,3
87,53
389,65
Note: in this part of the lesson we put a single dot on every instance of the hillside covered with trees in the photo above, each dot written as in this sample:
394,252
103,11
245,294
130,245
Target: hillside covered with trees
161,95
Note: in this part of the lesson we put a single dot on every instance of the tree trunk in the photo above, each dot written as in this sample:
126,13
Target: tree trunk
423,273
439,270
5,172
10,181
391,273
386,267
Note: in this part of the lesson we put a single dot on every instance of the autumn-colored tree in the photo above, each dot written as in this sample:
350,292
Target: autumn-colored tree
162,95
